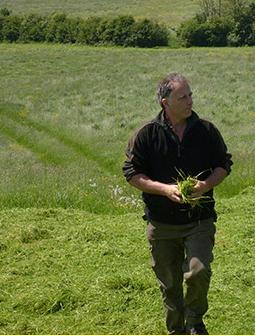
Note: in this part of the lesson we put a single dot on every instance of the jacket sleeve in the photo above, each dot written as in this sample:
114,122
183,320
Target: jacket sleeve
219,153
137,155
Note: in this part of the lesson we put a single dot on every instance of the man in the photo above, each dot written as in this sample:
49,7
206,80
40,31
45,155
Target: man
181,236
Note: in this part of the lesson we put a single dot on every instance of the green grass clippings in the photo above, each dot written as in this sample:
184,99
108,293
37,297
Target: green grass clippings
186,184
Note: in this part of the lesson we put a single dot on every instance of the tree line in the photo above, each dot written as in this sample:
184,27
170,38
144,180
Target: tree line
220,23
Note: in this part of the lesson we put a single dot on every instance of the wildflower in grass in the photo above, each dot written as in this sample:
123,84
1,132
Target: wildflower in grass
130,201
92,183
186,184
117,190
124,201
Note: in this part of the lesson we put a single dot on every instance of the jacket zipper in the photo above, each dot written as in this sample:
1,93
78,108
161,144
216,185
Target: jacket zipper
178,142
174,137
178,150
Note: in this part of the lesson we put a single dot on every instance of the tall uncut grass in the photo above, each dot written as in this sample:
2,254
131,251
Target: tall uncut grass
68,111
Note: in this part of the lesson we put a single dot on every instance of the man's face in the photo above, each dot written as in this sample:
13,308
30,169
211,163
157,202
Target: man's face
178,105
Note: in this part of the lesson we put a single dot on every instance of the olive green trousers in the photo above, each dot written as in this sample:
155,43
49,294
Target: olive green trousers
182,254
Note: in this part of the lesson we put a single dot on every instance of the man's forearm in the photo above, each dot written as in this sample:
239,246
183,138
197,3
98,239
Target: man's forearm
145,184
216,177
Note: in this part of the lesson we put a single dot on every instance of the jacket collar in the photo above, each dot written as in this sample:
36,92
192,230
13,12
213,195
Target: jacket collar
161,120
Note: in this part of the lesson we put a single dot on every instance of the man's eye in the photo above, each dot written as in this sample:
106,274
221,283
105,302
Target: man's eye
185,96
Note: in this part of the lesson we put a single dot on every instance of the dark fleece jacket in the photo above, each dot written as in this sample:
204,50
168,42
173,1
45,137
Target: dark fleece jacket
157,152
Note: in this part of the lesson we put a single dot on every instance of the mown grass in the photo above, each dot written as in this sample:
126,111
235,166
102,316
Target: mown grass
68,111
170,12
73,272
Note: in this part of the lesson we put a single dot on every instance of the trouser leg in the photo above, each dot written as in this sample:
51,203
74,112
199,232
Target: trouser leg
167,261
197,275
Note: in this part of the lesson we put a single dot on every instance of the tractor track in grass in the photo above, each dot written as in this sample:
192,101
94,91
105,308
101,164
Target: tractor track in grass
24,137
18,117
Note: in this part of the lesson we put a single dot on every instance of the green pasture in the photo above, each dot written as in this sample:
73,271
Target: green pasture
74,257
170,12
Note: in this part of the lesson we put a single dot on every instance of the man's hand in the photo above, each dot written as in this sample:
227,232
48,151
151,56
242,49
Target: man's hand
216,177
173,193
199,189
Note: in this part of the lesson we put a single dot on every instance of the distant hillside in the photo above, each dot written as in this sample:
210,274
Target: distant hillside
171,12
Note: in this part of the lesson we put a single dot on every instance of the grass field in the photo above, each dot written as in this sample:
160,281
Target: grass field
74,258
71,272
170,12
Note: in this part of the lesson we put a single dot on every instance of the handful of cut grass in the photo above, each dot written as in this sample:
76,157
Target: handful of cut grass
186,185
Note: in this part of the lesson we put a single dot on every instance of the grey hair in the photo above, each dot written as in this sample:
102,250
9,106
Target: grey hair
166,85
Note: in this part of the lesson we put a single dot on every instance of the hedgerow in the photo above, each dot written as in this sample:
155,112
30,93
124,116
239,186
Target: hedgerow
58,28
212,33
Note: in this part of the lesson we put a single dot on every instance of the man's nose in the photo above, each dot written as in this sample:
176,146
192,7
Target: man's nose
190,100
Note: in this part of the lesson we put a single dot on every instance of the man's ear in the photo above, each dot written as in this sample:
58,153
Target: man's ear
164,102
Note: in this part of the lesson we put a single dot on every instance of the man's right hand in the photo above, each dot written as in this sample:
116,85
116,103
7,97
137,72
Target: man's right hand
173,193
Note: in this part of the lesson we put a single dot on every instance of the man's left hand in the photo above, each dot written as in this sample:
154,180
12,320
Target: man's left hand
199,189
